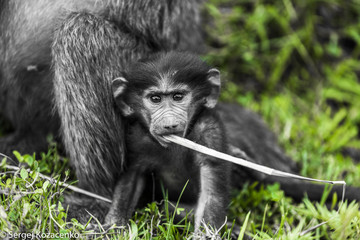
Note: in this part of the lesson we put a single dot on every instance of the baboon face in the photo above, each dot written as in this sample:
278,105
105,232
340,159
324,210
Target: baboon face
167,109
166,92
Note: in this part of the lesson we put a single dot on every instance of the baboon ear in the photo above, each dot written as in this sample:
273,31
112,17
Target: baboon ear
118,88
214,79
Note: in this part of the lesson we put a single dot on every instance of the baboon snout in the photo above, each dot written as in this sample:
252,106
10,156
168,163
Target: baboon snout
171,125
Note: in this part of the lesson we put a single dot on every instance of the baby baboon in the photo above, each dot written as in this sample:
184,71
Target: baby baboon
172,93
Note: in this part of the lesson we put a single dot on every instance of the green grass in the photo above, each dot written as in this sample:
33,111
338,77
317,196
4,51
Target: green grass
293,62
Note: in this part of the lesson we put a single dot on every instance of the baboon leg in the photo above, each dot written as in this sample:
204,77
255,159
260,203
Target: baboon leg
88,53
126,196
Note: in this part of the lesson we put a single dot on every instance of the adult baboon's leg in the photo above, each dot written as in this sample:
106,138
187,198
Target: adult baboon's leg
88,53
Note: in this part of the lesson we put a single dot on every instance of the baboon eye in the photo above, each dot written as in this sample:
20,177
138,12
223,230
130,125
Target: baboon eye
155,98
178,96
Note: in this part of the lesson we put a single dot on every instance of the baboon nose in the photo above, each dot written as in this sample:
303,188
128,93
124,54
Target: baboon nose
171,126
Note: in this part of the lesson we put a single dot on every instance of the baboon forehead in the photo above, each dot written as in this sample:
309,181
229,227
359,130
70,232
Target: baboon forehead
170,70
165,81
166,86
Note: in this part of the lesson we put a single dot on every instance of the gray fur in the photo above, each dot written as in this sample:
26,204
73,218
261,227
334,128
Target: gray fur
91,138
86,55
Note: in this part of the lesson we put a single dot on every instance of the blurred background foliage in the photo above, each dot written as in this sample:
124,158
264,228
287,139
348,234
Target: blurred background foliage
296,63
269,44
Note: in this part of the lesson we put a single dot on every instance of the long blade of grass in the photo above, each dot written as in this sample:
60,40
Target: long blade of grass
243,228
240,161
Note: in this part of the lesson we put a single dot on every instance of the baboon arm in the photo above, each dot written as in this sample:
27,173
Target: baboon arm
125,198
214,178
212,202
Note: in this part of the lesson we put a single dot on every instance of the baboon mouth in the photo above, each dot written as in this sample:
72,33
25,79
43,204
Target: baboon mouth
178,133
163,141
